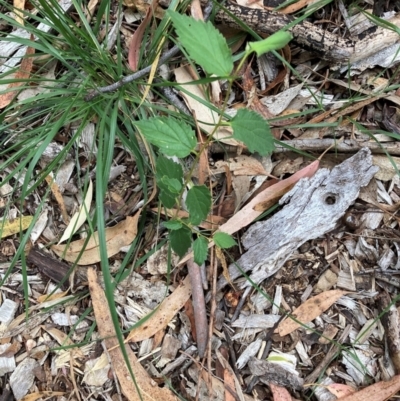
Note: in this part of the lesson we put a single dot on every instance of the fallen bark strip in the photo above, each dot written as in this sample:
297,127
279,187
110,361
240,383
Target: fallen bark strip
325,44
345,146
313,207
319,146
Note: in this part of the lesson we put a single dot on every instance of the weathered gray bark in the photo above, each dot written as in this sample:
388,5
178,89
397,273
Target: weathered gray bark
313,208
327,45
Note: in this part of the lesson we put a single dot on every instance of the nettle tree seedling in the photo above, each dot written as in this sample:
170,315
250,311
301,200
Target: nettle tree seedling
175,139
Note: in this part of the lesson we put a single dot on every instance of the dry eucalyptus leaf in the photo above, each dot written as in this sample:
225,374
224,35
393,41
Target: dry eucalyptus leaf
386,169
241,165
148,388
163,314
309,310
118,236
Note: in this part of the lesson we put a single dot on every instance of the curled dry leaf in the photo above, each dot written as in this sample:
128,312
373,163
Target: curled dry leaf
137,38
308,311
241,165
117,237
207,118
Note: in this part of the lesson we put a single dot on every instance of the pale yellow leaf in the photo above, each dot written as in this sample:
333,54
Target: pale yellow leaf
207,118
19,5
80,216
52,297
40,395
58,196
15,226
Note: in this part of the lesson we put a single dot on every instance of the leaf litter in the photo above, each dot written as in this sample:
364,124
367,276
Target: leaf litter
359,254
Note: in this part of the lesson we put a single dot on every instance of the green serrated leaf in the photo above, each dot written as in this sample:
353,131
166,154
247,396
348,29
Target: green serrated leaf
167,199
204,43
198,202
173,185
250,128
169,168
173,137
181,240
169,177
200,250
172,224
223,240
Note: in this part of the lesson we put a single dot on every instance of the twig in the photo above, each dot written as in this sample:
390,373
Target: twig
126,80
312,377
199,306
319,145
240,304
213,307
231,351
174,99
139,74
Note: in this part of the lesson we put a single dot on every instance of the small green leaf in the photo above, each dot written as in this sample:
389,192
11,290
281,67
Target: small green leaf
198,202
172,224
200,250
181,240
173,137
167,199
223,240
169,175
169,168
173,185
250,128
204,43
274,42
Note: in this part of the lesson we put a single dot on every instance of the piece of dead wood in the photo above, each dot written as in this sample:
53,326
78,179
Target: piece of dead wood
269,372
54,269
390,321
148,388
314,207
199,306
345,146
327,45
